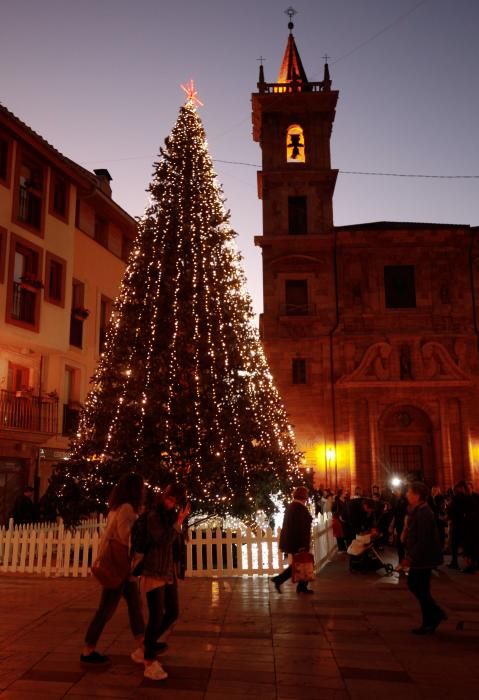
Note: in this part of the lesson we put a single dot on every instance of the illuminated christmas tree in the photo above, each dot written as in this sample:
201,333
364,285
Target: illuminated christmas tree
183,390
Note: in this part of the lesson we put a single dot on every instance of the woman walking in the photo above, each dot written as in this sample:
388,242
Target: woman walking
124,503
159,576
295,536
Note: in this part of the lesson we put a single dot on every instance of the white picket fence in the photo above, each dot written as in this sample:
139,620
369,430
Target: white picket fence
51,550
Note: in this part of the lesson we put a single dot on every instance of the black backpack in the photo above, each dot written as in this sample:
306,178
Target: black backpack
139,534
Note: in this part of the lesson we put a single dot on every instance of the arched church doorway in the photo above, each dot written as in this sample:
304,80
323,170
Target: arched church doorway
406,444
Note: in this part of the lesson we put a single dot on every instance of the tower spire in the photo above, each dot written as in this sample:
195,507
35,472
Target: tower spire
291,70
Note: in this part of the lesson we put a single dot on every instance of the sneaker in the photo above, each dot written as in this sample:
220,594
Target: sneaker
138,656
94,659
155,672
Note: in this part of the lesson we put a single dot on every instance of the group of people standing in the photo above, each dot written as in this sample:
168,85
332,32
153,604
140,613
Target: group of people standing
154,573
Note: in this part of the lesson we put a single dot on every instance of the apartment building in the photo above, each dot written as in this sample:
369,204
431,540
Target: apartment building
63,246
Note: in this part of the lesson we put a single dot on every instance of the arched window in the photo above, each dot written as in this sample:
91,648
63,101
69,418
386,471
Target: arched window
295,151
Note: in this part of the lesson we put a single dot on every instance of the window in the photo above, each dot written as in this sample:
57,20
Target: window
55,268
71,405
126,247
29,203
76,322
297,216
24,284
406,459
400,287
59,194
296,298
295,151
106,306
4,160
298,370
101,231
3,248
18,377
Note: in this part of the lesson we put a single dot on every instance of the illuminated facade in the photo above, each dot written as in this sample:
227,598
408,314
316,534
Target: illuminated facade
63,246
371,329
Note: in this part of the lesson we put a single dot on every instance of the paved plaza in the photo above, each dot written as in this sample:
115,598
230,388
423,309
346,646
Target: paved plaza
237,638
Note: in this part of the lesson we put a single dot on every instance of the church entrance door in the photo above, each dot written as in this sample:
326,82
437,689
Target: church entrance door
407,448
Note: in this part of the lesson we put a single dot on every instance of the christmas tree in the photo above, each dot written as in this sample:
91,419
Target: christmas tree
182,391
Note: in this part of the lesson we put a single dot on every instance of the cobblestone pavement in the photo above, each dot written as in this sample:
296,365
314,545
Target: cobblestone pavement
238,638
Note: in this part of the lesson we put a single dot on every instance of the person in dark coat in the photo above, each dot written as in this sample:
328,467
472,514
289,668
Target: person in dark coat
24,510
457,517
295,536
399,509
159,575
423,554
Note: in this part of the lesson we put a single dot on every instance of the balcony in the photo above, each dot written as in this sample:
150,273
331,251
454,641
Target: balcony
24,412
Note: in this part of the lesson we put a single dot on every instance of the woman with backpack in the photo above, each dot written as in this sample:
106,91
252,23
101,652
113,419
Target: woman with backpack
124,504
159,576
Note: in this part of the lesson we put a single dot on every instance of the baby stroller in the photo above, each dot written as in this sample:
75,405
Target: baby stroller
364,555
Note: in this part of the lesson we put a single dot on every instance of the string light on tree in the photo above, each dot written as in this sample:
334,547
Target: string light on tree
182,391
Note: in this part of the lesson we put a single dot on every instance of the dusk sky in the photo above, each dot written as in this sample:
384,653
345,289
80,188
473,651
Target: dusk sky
99,79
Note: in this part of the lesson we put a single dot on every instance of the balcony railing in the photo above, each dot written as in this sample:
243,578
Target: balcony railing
22,411
290,309
294,86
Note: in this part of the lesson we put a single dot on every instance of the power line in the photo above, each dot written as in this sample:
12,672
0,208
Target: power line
341,172
364,172
381,31
439,177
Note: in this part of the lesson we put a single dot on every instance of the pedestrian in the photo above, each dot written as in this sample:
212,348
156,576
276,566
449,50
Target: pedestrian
159,574
295,536
24,510
340,510
423,554
399,509
456,513
125,503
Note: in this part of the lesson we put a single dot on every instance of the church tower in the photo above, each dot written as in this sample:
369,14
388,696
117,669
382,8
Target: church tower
292,121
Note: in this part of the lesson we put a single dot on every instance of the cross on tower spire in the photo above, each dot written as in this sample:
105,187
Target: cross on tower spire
291,12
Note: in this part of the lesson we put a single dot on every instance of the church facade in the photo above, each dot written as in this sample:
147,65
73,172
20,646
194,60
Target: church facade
370,329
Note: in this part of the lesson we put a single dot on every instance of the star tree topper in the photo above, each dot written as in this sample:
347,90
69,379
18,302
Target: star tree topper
192,93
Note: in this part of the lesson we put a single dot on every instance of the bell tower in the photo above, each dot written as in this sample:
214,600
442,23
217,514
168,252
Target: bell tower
292,121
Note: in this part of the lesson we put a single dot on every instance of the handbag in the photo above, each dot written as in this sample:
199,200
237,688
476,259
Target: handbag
112,566
303,567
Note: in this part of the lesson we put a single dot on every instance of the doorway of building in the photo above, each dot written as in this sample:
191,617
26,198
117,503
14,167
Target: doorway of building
407,448
11,483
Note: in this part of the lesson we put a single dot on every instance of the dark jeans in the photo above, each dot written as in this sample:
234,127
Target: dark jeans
163,610
419,583
110,597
